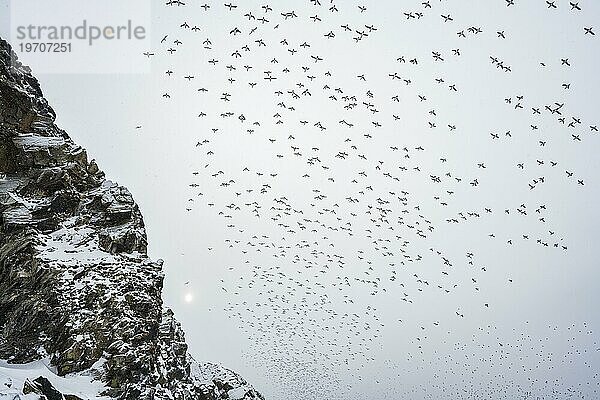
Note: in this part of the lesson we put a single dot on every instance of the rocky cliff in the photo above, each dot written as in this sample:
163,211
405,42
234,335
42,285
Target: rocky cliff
77,290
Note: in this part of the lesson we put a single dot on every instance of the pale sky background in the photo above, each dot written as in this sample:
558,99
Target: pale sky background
546,319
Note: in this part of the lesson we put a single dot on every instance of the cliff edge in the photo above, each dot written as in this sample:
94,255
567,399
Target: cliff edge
80,300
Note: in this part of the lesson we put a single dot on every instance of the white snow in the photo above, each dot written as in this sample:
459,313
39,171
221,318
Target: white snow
17,215
13,376
34,142
72,245
237,393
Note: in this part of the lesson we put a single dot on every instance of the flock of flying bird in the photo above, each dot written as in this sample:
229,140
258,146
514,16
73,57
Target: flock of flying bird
342,188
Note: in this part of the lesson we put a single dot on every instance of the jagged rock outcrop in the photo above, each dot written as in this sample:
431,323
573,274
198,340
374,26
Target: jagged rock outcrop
76,285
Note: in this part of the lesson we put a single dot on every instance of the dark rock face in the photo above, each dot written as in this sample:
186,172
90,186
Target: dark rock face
47,389
76,285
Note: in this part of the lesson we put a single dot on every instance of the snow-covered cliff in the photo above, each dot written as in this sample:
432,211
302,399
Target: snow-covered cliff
81,314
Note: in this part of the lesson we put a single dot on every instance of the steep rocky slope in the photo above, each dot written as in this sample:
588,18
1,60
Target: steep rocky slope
77,290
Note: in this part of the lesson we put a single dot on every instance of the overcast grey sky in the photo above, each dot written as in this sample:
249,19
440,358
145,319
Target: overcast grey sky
282,317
